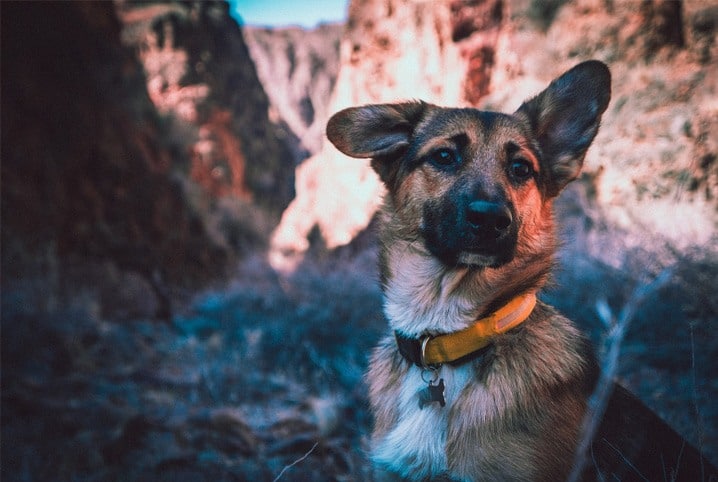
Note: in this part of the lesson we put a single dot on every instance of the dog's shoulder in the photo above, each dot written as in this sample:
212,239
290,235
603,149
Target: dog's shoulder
554,348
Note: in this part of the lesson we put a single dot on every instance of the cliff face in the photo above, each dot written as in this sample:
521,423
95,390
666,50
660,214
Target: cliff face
298,69
84,169
201,78
134,153
651,176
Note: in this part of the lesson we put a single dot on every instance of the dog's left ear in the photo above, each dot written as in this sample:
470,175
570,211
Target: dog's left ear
381,132
565,117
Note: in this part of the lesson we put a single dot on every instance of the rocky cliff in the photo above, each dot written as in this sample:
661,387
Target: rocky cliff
298,69
651,177
135,149
85,172
201,79
387,53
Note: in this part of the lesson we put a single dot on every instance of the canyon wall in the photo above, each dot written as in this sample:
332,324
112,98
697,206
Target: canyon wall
298,69
137,153
201,79
651,178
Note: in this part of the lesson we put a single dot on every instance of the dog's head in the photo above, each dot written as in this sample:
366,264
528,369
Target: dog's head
470,184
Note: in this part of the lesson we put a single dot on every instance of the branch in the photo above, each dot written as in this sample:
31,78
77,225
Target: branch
616,329
287,467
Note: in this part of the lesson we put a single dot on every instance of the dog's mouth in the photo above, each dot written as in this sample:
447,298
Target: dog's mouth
482,235
481,260
483,257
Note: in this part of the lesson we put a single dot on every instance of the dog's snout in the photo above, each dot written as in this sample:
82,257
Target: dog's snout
489,218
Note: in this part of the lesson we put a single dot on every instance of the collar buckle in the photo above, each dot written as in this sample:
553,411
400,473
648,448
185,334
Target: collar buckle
422,354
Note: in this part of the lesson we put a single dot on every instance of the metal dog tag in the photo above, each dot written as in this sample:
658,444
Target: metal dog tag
432,393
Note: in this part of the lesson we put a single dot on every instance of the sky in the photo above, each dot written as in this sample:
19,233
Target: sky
279,13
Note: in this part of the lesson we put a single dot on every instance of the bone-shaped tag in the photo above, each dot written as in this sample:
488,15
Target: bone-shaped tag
432,393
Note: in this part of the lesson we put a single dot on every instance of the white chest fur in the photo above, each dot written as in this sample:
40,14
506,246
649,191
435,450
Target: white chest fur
416,446
423,296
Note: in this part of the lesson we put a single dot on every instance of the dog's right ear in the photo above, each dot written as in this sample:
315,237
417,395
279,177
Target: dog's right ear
381,132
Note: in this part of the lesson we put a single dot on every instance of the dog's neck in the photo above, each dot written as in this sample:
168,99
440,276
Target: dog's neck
424,296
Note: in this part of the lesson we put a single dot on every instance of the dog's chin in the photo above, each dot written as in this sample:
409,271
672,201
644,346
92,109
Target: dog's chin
471,259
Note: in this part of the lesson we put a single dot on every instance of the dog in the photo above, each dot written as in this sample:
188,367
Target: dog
467,238
479,381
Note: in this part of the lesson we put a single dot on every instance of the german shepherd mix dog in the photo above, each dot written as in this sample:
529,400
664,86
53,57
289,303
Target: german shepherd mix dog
478,380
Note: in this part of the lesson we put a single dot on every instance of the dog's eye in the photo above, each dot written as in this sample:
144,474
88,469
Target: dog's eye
521,169
443,158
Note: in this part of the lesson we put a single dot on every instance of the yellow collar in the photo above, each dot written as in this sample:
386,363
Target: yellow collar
436,350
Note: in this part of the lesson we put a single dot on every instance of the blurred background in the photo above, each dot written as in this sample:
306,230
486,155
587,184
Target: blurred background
189,286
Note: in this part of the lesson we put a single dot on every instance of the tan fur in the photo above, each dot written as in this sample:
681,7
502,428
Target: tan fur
464,230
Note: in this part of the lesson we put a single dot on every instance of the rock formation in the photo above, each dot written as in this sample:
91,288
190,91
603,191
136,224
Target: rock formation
200,76
298,69
124,178
84,171
651,177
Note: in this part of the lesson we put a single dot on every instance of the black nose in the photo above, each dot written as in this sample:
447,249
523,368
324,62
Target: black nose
489,219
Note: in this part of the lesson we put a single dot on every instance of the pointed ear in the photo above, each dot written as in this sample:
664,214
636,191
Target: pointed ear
381,132
565,118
